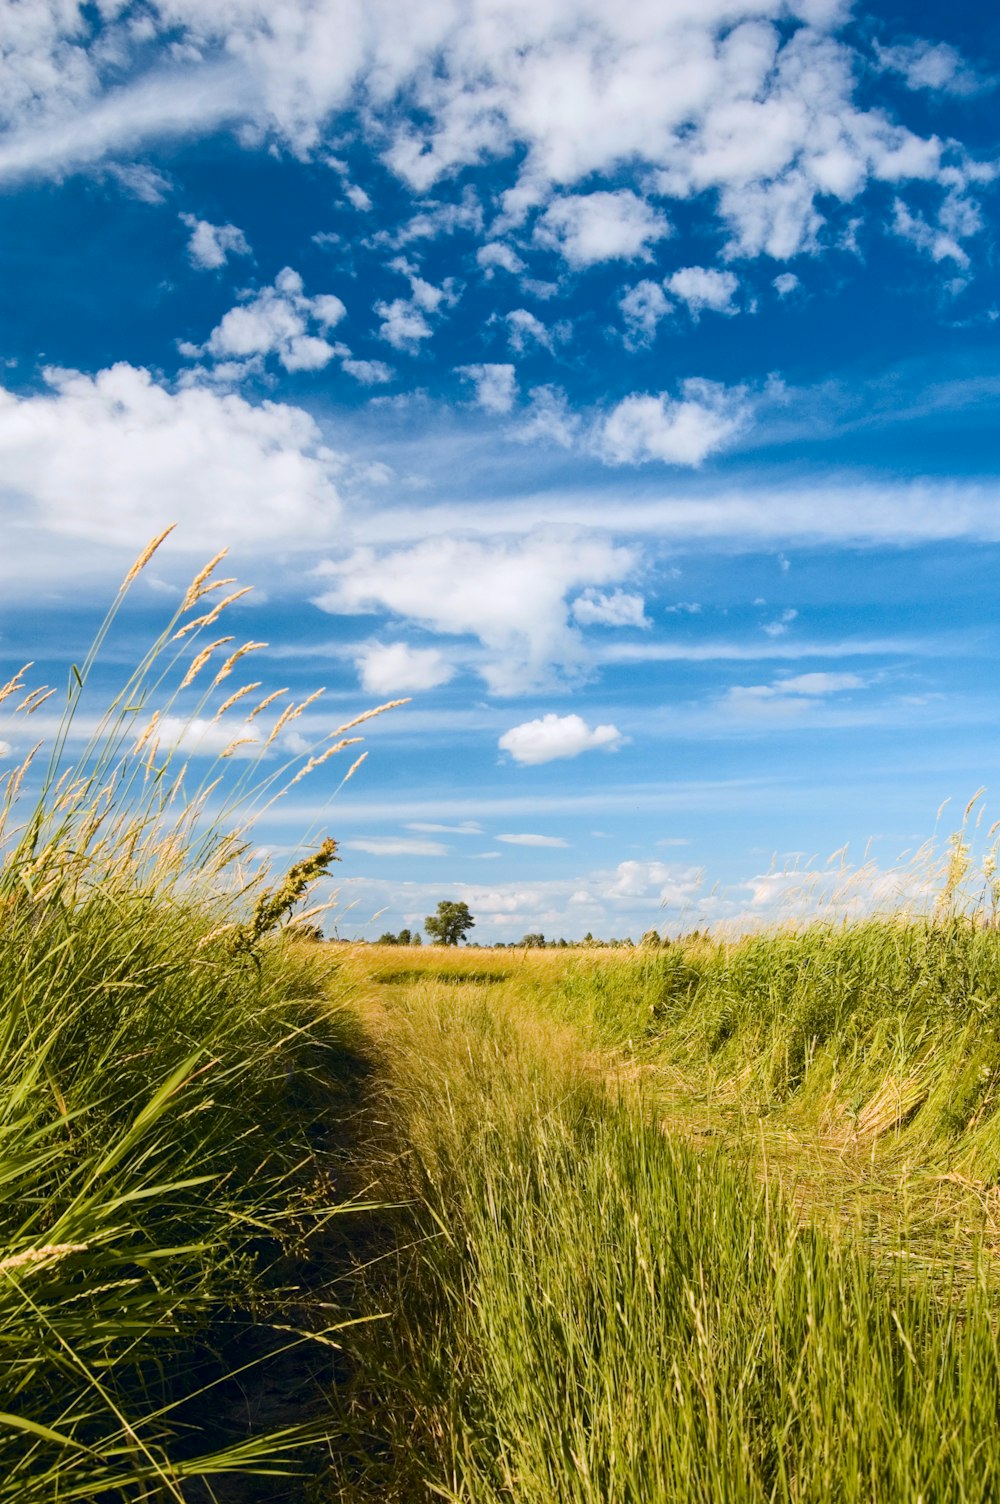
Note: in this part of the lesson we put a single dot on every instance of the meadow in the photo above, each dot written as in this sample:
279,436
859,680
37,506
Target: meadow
714,1220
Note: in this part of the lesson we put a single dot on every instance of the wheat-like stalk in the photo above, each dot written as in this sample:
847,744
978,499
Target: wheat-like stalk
268,700
47,1254
234,698
195,591
211,616
16,684
368,715
234,658
200,659
315,762
145,557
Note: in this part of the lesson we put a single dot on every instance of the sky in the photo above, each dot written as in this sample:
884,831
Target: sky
618,383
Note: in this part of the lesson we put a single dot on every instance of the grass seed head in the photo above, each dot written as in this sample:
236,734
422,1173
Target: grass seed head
195,590
145,557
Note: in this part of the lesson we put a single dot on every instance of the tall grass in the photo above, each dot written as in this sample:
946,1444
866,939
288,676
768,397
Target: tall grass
581,1308
160,1051
883,1030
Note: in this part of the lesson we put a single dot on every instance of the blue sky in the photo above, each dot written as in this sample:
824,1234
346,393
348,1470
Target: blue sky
617,382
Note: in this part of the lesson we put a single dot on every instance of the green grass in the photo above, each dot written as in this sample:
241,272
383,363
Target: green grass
165,1061
582,1307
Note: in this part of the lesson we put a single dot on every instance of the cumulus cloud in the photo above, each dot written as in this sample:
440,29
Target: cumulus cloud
392,667
785,283
497,254
510,594
404,321
614,609
958,218
754,102
547,419
433,219
402,325
556,736
677,431
210,246
368,372
496,386
934,66
280,320
524,329
592,227
671,886
701,287
643,306
112,457
204,737
780,625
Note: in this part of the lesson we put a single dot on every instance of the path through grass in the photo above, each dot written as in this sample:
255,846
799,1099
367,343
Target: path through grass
581,1306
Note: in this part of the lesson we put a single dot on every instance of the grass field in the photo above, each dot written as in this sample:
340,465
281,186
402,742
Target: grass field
279,1220
670,1226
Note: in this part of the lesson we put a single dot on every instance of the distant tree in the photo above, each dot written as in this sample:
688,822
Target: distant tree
450,924
651,938
404,938
387,939
416,938
533,942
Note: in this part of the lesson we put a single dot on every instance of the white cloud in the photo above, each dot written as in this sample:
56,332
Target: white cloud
683,431
496,386
785,283
498,254
547,419
594,227
432,220
211,245
430,827
204,737
725,97
940,241
395,846
672,886
702,287
277,321
555,736
510,593
357,197
389,668
643,306
368,372
934,66
527,839
818,684
115,456
139,180
404,323
617,609
780,625
795,695
5,749
524,330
